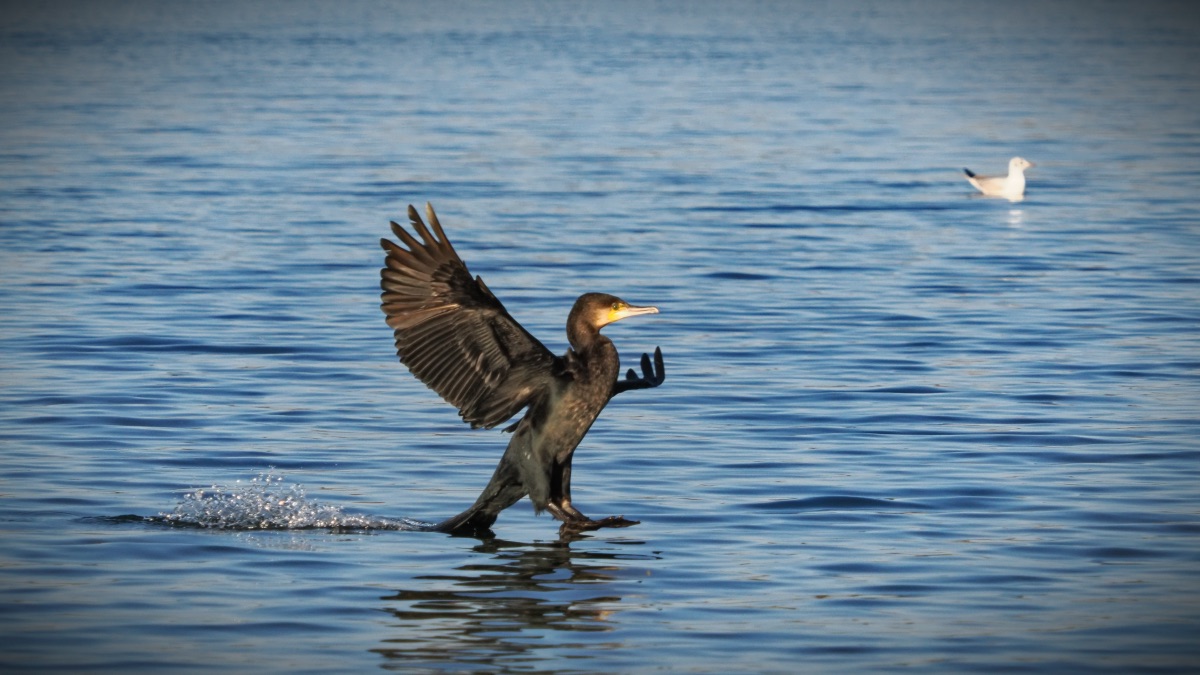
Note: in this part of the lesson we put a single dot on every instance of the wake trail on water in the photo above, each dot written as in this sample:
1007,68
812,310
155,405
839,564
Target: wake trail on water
266,502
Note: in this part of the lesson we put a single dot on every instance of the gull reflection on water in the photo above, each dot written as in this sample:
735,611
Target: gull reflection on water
517,599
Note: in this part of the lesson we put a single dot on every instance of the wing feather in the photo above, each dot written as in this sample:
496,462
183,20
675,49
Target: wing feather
452,332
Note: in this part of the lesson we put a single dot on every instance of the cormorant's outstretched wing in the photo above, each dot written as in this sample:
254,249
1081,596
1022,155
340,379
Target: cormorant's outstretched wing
652,375
453,333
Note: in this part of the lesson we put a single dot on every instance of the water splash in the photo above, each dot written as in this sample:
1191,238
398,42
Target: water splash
267,503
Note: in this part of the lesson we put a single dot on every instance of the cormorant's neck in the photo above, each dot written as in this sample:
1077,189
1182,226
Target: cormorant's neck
583,336
582,330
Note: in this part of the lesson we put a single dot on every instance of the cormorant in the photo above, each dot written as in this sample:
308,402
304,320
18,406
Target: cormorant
458,339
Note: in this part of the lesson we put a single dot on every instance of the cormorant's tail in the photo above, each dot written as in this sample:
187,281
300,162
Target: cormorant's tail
502,491
474,522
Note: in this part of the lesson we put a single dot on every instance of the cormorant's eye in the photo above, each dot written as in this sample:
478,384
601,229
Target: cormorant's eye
616,307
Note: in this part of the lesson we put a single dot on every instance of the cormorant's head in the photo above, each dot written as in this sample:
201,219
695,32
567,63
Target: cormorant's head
600,309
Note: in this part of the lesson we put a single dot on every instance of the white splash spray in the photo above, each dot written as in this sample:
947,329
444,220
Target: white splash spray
267,503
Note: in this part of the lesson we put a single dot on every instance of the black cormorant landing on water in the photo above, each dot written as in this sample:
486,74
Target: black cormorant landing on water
457,338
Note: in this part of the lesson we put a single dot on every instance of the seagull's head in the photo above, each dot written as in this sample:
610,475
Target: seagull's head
1018,164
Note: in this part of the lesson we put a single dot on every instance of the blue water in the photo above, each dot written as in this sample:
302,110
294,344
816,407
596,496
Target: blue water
904,429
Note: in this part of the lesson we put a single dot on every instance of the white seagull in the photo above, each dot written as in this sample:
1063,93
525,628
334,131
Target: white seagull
1011,186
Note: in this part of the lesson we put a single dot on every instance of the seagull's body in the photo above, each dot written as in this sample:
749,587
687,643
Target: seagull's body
1011,187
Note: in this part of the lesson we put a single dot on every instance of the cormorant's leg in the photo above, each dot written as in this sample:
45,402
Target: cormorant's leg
560,503
565,497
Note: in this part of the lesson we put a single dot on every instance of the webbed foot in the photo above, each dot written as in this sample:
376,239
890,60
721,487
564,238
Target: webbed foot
587,524
573,519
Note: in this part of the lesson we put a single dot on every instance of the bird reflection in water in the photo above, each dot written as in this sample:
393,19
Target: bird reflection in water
496,613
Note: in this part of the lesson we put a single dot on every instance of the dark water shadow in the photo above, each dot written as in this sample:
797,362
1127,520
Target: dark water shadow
836,503
517,605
